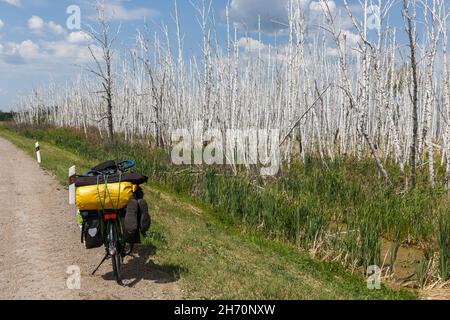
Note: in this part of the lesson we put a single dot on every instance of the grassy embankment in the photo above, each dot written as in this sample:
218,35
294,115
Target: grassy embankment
215,257
339,211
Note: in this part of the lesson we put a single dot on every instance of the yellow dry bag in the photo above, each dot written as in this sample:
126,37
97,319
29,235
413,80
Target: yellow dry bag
104,196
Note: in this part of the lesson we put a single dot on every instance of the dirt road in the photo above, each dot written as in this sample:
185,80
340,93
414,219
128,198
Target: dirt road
40,241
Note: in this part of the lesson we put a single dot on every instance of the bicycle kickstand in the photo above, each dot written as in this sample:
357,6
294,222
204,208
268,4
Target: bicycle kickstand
101,262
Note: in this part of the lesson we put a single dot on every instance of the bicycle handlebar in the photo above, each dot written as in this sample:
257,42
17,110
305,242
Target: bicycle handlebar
130,162
120,166
91,171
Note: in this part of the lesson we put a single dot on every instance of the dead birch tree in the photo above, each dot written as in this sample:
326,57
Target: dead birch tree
414,94
103,65
360,108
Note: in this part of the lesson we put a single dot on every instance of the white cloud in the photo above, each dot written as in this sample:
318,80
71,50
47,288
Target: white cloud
16,3
2,24
38,25
251,44
56,28
321,6
116,10
61,49
273,14
20,52
29,50
252,49
78,37
119,12
66,52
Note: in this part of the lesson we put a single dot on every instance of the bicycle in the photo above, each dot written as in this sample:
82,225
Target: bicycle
111,221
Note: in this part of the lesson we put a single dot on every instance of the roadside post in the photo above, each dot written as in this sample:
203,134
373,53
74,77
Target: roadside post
38,152
72,172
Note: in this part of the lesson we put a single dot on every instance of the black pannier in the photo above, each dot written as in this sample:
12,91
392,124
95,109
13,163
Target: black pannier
144,221
137,218
131,223
91,231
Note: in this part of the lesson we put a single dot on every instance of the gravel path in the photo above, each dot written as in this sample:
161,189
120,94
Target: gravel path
40,240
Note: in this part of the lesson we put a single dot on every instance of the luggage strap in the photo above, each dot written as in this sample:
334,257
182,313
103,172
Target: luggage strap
106,191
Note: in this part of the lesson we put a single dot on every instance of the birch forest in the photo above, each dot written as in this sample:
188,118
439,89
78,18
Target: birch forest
362,94
370,93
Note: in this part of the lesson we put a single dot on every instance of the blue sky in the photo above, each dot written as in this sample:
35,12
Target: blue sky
36,45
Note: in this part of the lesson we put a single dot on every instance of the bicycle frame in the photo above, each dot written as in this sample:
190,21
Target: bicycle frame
108,219
112,227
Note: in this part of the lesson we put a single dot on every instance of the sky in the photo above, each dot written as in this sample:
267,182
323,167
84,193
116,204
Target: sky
40,41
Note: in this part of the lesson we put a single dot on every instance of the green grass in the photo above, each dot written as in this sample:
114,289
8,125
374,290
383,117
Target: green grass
216,258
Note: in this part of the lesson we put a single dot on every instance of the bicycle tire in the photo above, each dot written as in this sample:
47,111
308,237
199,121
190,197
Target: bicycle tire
117,268
116,258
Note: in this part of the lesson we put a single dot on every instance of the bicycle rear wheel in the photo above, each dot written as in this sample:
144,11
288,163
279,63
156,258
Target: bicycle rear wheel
117,267
116,258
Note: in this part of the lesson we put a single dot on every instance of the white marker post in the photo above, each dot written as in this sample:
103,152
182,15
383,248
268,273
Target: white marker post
38,152
72,190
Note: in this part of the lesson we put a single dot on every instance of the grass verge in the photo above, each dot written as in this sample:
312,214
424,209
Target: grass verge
216,259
